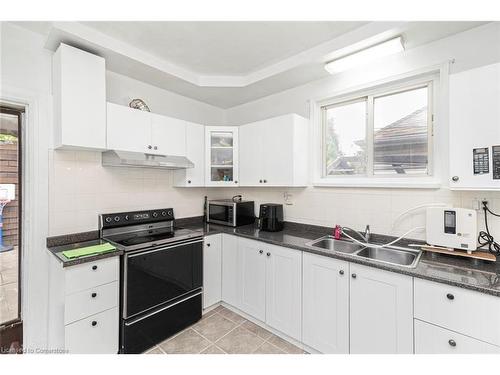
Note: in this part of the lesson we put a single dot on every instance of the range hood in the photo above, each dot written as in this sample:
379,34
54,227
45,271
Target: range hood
140,160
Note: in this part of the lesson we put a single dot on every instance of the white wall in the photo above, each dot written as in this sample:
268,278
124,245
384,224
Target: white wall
377,207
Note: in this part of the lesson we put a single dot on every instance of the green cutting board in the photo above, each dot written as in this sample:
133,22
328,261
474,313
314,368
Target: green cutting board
88,250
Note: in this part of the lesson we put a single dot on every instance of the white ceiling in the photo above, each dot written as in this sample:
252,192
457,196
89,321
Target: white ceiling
230,63
223,48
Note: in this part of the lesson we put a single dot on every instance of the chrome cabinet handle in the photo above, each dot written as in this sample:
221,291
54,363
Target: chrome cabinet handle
452,342
455,178
94,323
450,296
94,295
268,254
94,268
341,272
261,251
265,181
260,181
189,181
353,275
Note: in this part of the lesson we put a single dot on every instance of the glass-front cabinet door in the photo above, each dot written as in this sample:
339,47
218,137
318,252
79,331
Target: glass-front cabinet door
221,155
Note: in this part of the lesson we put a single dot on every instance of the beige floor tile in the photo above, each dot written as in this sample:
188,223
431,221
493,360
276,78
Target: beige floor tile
220,308
155,350
214,327
285,345
187,342
256,329
209,313
268,348
212,349
232,316
240,341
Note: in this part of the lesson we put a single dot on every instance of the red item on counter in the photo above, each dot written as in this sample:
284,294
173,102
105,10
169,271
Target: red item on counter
337,232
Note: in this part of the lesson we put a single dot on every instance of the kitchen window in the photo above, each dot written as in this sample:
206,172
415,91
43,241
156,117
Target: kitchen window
378,134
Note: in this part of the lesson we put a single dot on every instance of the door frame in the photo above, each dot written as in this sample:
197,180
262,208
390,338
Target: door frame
37,128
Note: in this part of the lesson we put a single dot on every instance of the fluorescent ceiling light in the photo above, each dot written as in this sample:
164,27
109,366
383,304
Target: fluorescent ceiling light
366,55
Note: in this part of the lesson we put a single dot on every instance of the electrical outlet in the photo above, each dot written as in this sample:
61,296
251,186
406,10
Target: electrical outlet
477,203
288,198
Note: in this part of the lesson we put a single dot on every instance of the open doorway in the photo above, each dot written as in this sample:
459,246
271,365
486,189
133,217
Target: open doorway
10,229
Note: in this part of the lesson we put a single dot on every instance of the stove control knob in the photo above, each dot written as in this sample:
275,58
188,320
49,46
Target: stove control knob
170,213
155,214
108,219
126,217
164,213
117,218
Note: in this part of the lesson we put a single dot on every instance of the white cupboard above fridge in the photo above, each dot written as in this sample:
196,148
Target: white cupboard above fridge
133,130
475,129
221,156
79,97
273,152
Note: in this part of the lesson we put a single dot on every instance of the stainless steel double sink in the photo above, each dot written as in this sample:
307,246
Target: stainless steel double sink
390,254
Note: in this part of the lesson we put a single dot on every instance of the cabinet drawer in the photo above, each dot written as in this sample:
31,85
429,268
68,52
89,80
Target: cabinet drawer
431,339
91,274
97,334
457,309
91,301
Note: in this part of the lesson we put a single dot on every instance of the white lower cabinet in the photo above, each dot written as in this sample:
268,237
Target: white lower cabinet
283,290
83,304
381,311
325,304
96,334
212,270
253,277
270,285
230,270
431,339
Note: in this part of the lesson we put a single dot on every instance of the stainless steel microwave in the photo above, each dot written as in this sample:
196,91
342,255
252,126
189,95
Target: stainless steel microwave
231,213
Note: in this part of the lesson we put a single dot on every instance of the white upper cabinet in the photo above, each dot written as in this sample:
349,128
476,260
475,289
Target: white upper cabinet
195,152
381,311
130,129
475,124
168,135
274,152
79,93
325,301
221,156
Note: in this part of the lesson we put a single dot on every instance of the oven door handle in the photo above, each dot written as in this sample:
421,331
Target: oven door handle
139,252
162,309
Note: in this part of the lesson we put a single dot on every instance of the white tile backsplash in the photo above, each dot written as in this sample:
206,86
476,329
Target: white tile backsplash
80,189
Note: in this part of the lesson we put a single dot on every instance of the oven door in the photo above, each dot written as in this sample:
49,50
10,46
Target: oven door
221,214
157,276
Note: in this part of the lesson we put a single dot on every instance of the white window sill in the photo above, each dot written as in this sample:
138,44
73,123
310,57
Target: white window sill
398,183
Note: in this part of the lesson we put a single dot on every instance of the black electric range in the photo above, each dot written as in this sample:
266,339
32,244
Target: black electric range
161,275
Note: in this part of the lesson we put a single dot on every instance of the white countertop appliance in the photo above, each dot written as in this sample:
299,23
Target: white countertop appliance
454,228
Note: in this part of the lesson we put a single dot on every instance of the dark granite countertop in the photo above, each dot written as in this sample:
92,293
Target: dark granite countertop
63,245
466,273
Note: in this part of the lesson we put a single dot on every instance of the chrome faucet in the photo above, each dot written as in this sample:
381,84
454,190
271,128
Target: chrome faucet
367,234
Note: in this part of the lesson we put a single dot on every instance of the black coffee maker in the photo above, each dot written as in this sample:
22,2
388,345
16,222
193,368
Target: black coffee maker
271,217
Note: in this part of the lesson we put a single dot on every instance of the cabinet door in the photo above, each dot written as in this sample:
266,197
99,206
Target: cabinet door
231,270
381,312
251,160
431,339
253,277
325,300
212,270
168,135
128,129
79,93
278,139
284,290
221,156
474,123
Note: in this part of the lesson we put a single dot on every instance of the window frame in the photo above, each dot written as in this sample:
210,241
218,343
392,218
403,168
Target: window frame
430,78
